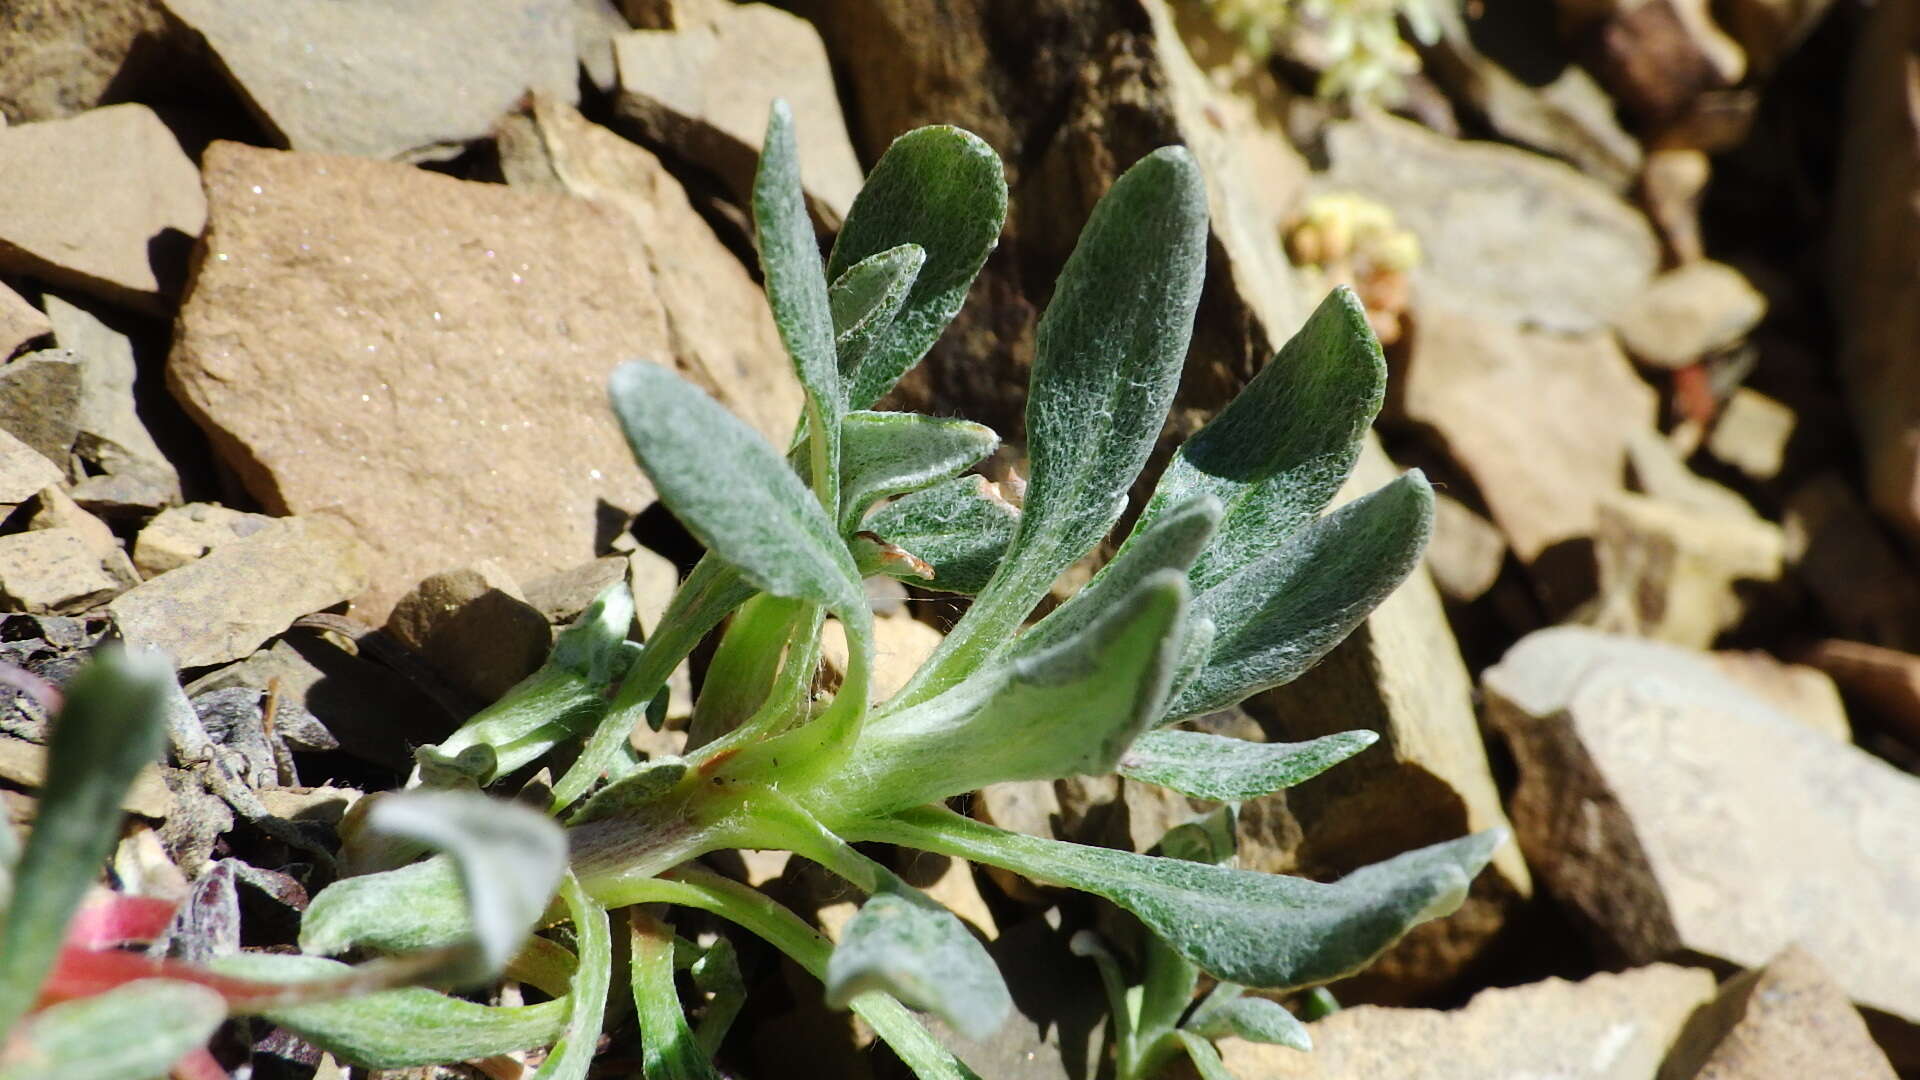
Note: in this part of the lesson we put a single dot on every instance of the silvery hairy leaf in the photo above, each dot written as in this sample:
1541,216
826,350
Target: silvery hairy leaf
1227,1011
1234,770
886,454
906,945
867,298
133,1032
957,531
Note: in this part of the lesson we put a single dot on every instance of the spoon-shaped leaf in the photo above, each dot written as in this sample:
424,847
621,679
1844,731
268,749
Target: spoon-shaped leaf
1107,355
132,1032
867,299
1234,770
1171,543
885,454
958,530
914,949
1278,452
1255,929
761,520
940,188
1276,616
1227,1011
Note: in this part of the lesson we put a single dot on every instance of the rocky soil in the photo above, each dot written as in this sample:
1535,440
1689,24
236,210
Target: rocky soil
307,309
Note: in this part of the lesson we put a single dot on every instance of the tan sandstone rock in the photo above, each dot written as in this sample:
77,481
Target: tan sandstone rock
20,323
1780,1022
475,627
181,534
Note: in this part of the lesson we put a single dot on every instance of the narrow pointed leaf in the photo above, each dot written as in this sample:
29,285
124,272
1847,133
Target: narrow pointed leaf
885,454
1172,543
1107,355
398,1029
572,1054
919,952
797,288
940,188
1281,449
670,1048
1228,1012
1277,615
1069,710
133,1032
1255,929
1234,770
112,724
959,529
761,519
867,299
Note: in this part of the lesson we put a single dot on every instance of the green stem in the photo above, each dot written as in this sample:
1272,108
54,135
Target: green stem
572,1055
669,1049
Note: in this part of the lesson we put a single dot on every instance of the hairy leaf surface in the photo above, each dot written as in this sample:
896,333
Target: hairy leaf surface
959,528
132,1032
1234,770
867,299
885,454
916,950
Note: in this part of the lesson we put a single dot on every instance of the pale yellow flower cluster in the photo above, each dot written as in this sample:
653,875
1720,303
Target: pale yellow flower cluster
1355,44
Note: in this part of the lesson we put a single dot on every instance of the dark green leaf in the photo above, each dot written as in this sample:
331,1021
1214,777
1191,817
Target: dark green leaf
133,1032
914,949
1277,615
1172,543
1107,356
886,454
867,298
113,723
1254,929
730,489
1072,709
1278,452
959,529
398,1029
1227,1011
942,189
1234,770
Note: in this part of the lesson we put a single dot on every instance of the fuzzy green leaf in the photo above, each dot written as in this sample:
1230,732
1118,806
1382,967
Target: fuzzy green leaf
940,188
716,972
1172,543
1227,1011
731,491
867,299
1206,1060
132,1032
1281,449
112,724
1234,770
415,907
1107,356
886,454
960,528
797,290
1069,710
572,1054
398,1029
647,782
1255,929
595,645
911,947
1277,615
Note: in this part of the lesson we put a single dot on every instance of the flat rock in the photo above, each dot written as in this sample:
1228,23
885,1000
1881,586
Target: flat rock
230,602
1780,1022
1674,813
704,89
413,81
23,471
1803,692
1690,311
59,57
1425,781
1508,236
717,317
181,534
562,596
1677,574
475,627
105,203
20,323
1538,421
432,363
52,572
40,401
1876,229
1606,1027
111,435
52,508
25,763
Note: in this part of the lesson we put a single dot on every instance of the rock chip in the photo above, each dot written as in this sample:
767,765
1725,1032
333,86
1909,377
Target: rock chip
58,57
1876,229
1466,551
562,596
229,602
1780,1022
111,435
717,317
413,81
475,627
1752,433
1676,574
105,203
54,509
432,364
1805,693
1508,236
1658,469
1673,812
20,323
1688,312
1540,422
53,571
704,89
1606,1027
40,396
23,471
181,534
